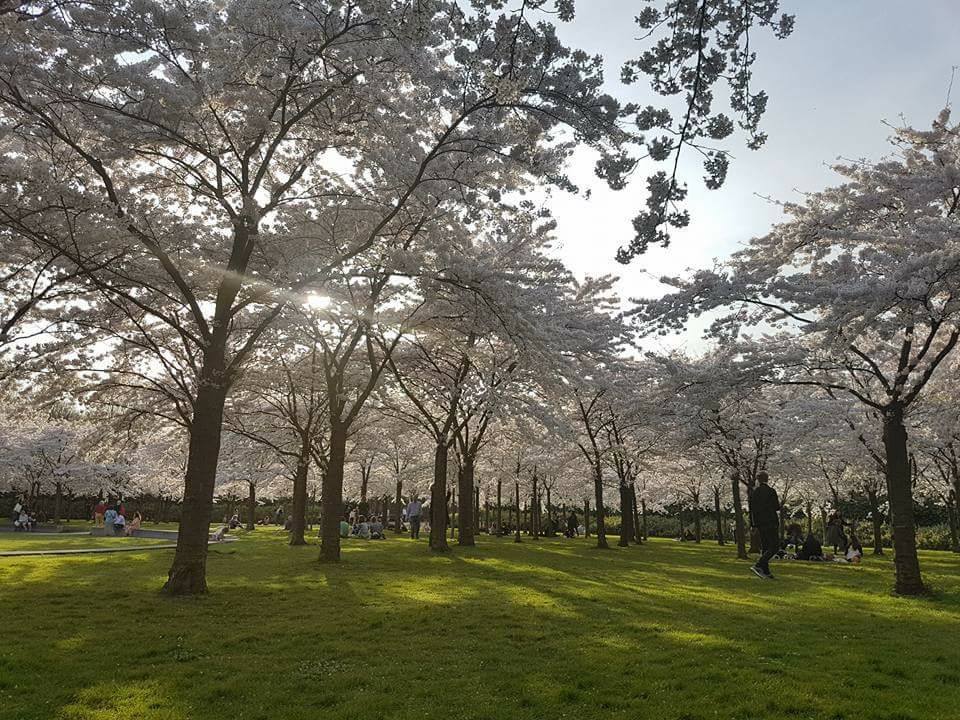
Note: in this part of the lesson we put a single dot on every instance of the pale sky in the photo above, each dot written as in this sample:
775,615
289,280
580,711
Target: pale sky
848,66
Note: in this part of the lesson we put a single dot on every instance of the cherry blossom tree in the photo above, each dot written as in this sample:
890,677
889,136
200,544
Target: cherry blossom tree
861,282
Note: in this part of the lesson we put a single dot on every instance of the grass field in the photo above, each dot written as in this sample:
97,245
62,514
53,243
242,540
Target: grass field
548,629
68,541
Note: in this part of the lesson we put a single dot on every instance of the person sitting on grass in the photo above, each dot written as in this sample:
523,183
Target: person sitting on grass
344,528
220,534
119,524
572,525
363,528
134,524
376,529
234,522
811,549
22,523
854,550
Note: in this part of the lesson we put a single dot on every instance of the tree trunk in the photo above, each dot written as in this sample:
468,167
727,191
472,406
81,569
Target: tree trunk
188,573
877,524
956,509
57,502
954,534
251,506
516,537
626,516
823,525
637,532
716,510
438,500
909,580
466,520
499,506
586,518
740,531
299,524
364,481
598,492
331,495
551,525
398,527
451,509
535,510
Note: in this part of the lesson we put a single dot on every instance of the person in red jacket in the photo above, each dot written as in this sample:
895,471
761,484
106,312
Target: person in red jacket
98,510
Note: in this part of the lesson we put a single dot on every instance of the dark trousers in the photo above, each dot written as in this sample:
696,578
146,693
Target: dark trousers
769,544
415,527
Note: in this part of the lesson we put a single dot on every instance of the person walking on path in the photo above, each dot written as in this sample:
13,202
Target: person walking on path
414,510
764,516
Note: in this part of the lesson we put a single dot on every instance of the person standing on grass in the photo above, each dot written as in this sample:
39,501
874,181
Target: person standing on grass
98,510
414,510
764,516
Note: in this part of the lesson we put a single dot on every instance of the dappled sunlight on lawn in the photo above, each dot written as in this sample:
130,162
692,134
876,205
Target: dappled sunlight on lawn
110,700
501,631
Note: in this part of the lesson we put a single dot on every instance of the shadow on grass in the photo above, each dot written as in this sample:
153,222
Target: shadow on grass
547,629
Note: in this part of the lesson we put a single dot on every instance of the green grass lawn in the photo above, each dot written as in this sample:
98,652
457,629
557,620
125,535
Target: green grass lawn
548,629
68,541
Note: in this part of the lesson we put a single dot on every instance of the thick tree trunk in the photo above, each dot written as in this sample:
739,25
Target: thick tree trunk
331,496
716,511
251,506
598,492
877,524
516,537
740,532
438,500
188,574
299,524
398,527
626,516
909,580
466,520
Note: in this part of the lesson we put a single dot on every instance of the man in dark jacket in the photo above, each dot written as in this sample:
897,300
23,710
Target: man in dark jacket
765,517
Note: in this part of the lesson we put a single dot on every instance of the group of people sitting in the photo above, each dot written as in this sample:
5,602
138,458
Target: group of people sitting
797,547
112,516
359,527
23,519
